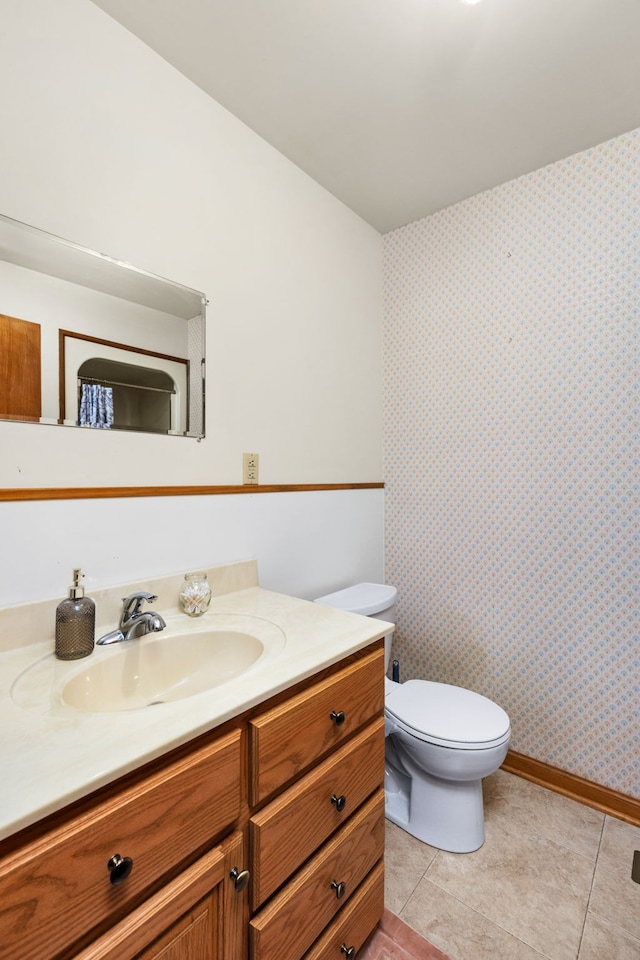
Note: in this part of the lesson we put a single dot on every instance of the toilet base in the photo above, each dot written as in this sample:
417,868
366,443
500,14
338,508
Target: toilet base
397,786
446,815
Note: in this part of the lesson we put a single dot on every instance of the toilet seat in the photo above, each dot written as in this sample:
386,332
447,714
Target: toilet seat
446,715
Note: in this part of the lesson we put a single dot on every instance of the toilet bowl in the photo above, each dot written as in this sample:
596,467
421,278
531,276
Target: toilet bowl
441,741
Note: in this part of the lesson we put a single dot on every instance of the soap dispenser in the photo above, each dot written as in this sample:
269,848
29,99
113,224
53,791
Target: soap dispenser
75,623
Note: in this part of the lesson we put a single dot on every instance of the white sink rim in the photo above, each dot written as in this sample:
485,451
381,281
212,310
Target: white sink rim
108,680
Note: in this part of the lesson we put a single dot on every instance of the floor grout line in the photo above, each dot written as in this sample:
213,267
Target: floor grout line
593,879
551,837
479,913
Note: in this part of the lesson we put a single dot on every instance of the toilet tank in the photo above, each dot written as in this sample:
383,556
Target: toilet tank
370,600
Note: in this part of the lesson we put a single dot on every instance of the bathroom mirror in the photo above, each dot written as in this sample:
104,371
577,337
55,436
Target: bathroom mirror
92,342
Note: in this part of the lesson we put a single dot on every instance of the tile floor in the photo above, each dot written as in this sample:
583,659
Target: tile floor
394,940
552,882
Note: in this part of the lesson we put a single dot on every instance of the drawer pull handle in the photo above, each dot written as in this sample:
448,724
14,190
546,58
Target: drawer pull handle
339,888
338,717
349,952
240,878
340,802
119,868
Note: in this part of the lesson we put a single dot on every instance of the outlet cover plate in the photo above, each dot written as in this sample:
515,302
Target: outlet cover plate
249,468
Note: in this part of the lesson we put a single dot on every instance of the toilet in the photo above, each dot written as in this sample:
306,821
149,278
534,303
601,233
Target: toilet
441,741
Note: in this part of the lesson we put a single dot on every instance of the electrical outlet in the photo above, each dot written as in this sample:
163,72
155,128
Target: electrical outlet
249,467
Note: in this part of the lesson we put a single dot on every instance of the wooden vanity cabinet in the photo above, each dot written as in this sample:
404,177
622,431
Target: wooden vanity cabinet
293,736
353,925
290,923
147,868
291,828
198,916
68,884
318,842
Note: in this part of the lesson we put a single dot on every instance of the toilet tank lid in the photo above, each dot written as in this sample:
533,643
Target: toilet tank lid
363,598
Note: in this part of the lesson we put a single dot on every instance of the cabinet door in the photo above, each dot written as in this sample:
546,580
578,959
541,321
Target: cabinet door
199,916
194,935
20,388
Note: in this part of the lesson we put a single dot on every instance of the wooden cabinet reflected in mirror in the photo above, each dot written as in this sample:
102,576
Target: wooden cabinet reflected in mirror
20,380
89,341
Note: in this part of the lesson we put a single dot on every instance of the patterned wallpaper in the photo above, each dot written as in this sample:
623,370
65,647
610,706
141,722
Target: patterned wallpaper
512,460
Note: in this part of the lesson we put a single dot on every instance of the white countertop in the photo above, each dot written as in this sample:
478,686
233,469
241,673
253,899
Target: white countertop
52,754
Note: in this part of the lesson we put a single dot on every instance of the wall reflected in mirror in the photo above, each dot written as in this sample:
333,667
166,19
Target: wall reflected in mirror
89,341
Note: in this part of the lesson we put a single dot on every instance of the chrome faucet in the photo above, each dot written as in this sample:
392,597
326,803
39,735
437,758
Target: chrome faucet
134,622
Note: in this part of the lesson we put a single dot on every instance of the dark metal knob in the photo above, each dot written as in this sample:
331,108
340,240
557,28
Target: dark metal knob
338,717
339,888
340,802
119,868
240,878
349,952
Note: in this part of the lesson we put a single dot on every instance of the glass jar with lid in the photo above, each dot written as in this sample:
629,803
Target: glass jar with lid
195,594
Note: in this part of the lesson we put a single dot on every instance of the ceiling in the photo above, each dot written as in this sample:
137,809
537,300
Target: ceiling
402,107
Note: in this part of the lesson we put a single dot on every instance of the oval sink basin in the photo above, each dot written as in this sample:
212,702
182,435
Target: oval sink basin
162,669
185,659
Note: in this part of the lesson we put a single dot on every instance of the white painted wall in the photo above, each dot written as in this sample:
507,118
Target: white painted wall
306,543
105,144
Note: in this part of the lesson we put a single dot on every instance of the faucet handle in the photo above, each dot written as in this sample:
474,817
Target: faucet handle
132,605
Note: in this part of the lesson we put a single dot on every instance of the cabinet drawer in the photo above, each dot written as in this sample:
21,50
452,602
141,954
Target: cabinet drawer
286,832
56,890
289,738
296,916
355,922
